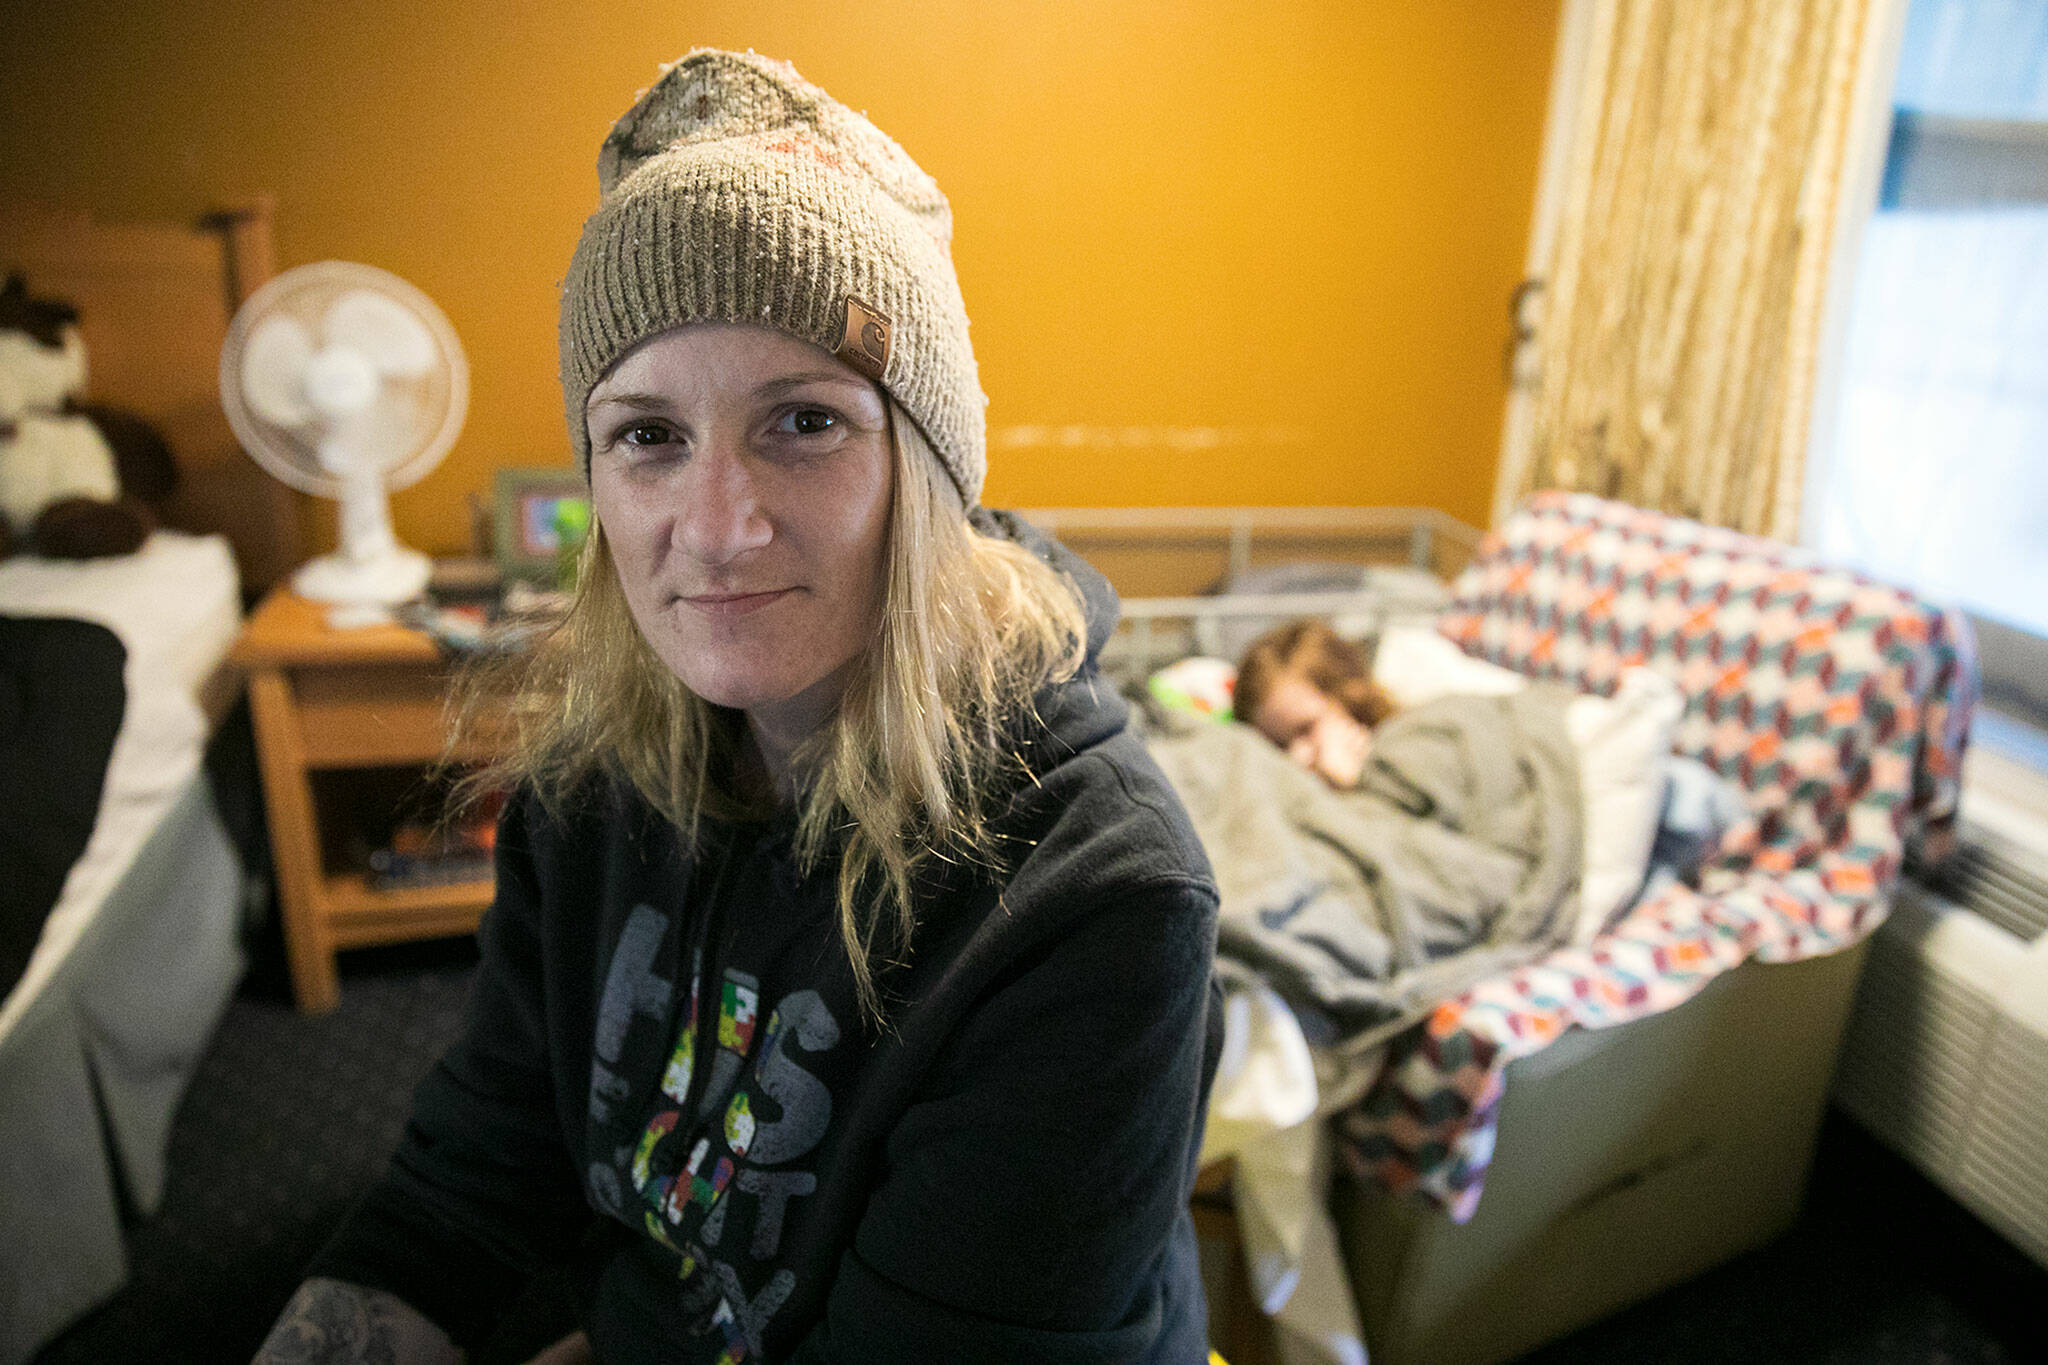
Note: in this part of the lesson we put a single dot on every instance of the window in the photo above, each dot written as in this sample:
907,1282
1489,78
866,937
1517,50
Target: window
1937,472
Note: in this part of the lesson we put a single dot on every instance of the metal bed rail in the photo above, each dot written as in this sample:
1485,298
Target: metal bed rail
1154,631
1435,541
1197,550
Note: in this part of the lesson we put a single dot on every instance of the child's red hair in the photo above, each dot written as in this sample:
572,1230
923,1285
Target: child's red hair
1319,656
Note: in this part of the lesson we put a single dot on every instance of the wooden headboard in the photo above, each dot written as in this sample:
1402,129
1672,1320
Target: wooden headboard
154,301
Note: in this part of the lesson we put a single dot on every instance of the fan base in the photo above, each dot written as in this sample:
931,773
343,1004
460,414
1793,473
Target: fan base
396,575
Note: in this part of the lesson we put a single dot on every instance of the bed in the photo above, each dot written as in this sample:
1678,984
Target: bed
1641,1102
141,950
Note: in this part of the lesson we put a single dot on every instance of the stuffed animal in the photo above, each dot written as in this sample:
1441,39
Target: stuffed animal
77,480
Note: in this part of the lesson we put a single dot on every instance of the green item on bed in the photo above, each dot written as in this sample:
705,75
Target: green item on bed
1197,686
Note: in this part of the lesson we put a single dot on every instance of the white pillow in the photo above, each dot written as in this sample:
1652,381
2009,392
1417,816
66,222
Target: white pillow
1415,664
1622,743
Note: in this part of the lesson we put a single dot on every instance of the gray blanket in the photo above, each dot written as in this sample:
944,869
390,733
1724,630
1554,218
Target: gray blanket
1458,854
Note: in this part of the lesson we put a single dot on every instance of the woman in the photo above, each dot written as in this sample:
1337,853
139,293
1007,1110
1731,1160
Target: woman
1311,692
847,991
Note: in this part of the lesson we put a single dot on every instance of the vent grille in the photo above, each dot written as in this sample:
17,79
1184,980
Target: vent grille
1936,1063
1995,878
1940,1059
1910,1062
2006,1167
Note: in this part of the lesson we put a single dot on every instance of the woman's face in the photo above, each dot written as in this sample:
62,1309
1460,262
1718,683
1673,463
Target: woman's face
743,481
1315,729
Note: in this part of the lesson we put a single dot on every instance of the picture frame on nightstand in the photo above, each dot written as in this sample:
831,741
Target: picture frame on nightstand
529,509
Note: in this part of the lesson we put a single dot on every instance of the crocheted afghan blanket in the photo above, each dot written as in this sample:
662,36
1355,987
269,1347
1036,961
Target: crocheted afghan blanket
1841,706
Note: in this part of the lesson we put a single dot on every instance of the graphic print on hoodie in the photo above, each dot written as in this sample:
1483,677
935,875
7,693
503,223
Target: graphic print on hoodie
711,1163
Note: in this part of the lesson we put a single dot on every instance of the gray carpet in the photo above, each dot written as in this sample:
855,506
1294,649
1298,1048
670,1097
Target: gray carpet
291,1118
288,1121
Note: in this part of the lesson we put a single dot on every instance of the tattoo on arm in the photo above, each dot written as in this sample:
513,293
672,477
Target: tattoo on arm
329,1322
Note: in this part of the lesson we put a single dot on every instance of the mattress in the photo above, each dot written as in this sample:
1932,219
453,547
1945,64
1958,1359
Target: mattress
176,606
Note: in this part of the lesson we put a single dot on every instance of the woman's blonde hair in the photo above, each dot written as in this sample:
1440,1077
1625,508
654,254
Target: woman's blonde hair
916,762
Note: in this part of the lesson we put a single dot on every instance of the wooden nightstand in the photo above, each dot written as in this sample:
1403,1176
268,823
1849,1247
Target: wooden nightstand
331,701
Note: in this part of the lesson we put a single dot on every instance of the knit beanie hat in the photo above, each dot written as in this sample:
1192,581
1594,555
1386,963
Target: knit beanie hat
736,191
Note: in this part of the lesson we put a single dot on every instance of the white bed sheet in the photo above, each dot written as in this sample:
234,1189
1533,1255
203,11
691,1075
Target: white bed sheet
176,606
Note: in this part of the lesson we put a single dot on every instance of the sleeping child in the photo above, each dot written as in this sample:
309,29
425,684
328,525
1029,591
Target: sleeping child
1311,692
1373,862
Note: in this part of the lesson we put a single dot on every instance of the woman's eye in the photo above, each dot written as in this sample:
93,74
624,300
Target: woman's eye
643,434
808,421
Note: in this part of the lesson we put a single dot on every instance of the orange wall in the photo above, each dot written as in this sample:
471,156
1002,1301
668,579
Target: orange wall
1262,250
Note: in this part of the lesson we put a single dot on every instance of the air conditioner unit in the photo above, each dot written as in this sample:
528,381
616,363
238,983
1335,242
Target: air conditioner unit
1946,1055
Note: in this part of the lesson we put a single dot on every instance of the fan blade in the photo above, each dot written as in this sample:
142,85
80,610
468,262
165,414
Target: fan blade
383,331
273,370
377,438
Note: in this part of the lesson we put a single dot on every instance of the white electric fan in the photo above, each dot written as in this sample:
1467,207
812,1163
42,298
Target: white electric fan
345,381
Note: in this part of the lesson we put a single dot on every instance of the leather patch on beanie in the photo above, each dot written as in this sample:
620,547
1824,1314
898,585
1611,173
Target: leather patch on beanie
864,344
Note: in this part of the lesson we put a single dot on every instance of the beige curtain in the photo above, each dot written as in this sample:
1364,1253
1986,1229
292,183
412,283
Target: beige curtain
1702,180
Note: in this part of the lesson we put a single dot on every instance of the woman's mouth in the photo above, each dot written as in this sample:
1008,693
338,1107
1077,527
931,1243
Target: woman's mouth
724,604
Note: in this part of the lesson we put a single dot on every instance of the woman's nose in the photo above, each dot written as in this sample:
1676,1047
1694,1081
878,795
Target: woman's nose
722,517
